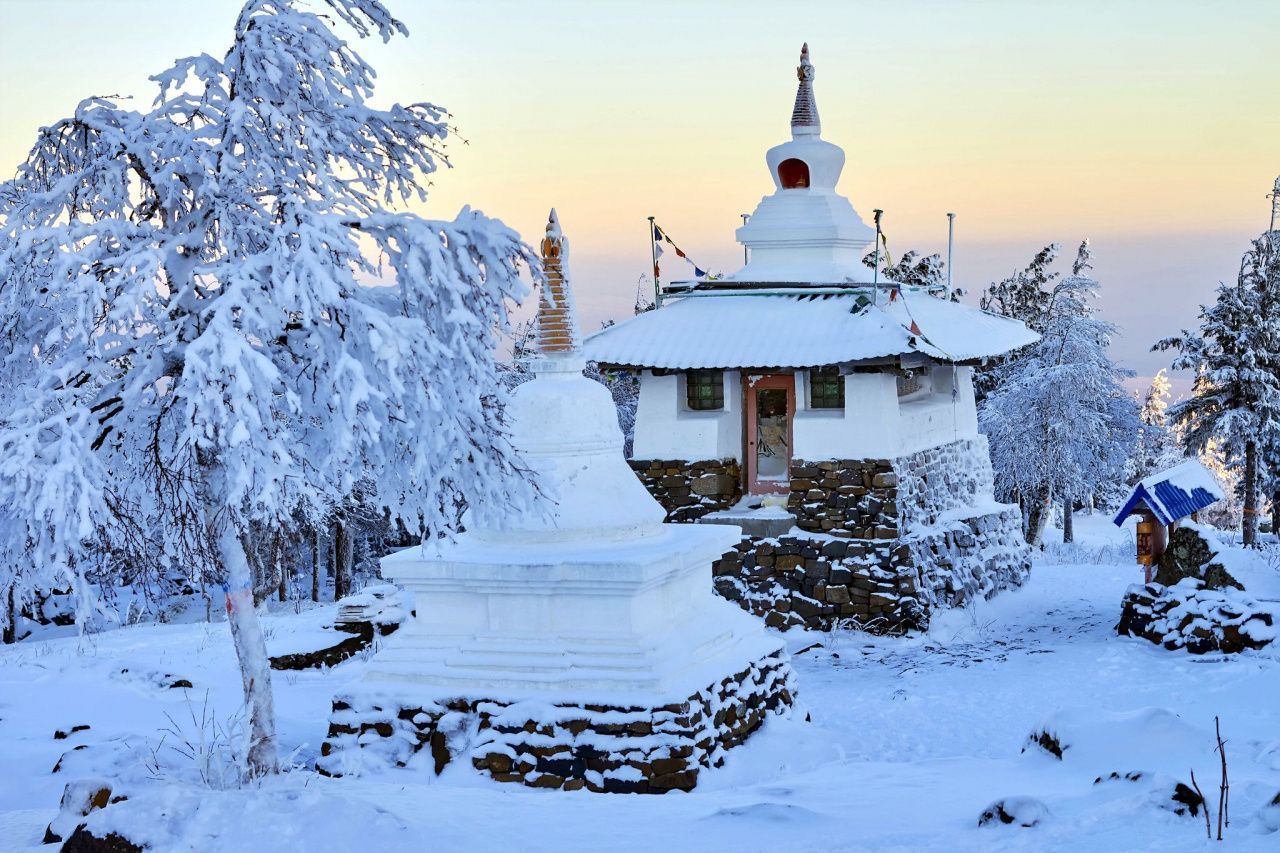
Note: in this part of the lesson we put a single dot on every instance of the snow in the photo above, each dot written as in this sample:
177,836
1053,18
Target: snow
801,330
910,740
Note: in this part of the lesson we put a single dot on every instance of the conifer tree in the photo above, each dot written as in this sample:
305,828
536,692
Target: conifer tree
1157,447
1235,355
1025,295
1061,424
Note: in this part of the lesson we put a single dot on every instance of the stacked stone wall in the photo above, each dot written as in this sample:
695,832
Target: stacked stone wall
599,748
851,498
821,583
690,490
948,480
889,540
1196,618
969,558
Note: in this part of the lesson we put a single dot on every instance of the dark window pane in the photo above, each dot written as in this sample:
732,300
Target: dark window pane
704,390
826,388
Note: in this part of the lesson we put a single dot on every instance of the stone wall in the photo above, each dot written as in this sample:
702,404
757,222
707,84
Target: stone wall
889,540
690,490
963,559
820,583
852,498
1191,616
568,747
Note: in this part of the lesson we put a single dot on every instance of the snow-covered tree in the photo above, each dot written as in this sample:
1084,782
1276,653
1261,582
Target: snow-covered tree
191,334
1025,295
1060,423
928,271
1235,354
1157,447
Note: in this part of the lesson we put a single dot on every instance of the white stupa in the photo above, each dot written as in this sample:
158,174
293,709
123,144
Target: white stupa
574,617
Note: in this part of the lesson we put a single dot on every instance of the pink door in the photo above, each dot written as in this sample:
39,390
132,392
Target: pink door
770,403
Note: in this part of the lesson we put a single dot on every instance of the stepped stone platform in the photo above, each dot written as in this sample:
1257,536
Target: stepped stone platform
566,746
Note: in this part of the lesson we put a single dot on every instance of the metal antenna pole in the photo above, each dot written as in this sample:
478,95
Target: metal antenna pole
951,240
745,258
1275,204
653,253
875,278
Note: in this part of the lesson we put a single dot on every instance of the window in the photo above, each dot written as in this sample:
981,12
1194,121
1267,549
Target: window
793,174
908,383
704,390
826,388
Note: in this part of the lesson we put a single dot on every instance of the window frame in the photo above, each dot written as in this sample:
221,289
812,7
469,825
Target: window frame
709,380
831,397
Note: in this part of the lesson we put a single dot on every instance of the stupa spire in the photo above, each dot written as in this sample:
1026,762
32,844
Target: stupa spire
804,117
557,323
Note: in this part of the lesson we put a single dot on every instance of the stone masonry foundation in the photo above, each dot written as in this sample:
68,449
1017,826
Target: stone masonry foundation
881,542
690,490
602,748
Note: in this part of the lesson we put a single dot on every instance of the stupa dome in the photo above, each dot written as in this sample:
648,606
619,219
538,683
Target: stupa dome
565,428
805,232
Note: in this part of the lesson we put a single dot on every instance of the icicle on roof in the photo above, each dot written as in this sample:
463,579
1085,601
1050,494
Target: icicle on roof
557,323
804,117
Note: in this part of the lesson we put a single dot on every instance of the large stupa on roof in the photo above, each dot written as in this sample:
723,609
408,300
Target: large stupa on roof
824,407
574,643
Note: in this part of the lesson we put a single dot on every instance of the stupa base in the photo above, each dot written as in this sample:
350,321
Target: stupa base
609,748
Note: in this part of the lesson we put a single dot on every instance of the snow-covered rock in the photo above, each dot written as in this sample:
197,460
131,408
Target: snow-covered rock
1014,811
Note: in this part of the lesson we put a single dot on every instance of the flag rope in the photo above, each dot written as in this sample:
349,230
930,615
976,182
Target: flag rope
659,237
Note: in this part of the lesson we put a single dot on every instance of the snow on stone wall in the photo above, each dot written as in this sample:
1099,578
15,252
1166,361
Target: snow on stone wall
564,746
881,542
963,544
953,481
690,490
1190,616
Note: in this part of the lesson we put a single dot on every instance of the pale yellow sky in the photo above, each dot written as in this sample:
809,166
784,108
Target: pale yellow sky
1151,127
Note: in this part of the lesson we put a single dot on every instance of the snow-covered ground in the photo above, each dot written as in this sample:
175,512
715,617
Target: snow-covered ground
910,740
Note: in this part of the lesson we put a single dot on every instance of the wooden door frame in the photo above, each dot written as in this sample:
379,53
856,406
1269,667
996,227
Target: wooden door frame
752,382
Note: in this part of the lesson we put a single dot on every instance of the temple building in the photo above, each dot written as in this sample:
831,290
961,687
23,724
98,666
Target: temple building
804,391
575,643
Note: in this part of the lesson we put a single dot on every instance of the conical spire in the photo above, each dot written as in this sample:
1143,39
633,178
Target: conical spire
804,118
557,325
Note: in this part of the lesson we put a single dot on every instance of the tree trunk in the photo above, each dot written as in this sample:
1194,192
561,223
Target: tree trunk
1249,523
279,552
315,565
342,554
251,651
1038,517
10,634
1275,515
1068,521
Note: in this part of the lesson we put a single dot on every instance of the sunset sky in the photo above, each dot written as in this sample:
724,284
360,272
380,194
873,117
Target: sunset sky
1152,128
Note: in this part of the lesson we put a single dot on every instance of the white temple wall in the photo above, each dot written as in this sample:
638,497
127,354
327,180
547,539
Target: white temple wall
932,417
667,429
874,424
867,427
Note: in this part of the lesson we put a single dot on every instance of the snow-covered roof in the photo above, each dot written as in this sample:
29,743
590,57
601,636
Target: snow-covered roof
735,330
1175,493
